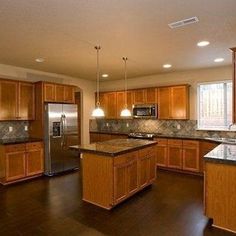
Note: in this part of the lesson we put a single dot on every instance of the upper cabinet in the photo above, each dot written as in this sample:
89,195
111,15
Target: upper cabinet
173,102
142,96
16,100
58,93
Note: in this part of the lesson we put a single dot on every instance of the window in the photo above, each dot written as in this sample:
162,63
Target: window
215,105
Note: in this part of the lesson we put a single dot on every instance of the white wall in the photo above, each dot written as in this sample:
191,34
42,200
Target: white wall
87,89
192,77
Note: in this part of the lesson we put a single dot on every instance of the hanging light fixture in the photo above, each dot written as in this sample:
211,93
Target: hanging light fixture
125,112
98,112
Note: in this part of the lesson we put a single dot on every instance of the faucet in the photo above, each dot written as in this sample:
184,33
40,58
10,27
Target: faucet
229,127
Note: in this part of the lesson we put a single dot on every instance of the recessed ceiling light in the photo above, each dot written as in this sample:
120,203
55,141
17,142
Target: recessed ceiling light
203,43
105,75
220,59
167,66
39,60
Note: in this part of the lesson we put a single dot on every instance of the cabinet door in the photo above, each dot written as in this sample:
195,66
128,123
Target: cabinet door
49,92
34,162
179,102
105,137
111,105
103,102
120,104
161,151
151,95
8,100
191,158
26,101
120,182
130,100
175,157
144,171
164,103
59,92
139,96
152,173
132,177
15,165
69,94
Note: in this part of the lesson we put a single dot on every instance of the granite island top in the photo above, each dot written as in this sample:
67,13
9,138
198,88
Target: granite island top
223,153
114,147
19,140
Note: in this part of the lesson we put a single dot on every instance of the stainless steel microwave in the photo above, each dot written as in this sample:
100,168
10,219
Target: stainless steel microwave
148,111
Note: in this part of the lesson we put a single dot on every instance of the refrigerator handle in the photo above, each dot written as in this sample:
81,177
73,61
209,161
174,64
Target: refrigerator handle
62,131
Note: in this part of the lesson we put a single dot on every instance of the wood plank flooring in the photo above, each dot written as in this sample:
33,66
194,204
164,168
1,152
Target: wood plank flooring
53,206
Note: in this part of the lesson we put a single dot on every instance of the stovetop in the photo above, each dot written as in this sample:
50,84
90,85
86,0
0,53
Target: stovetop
141,135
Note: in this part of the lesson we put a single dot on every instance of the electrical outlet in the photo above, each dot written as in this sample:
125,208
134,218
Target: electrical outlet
178,126
107,124
10,128
26,128
127,124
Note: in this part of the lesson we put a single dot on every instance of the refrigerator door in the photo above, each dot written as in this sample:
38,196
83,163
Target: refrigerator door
70,127
53,139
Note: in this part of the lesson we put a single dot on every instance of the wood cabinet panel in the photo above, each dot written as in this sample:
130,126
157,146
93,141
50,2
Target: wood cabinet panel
105,137
132,177
151,95
34,162
144,171
139,96
161,151
130,100
94,137
49,92
164,101
120,103
59,93
191,158
175,159
26,101
69,94
15,165
8,100
111,105
179,102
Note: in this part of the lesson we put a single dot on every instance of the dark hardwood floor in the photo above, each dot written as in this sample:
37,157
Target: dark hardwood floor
53,206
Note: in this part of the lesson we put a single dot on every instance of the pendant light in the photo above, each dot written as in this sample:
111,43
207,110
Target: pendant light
125,112
98,112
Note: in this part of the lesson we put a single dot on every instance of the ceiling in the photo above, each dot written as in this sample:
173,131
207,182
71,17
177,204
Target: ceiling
64,33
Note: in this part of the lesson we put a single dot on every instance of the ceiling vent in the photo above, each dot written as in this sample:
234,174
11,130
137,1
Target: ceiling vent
183,22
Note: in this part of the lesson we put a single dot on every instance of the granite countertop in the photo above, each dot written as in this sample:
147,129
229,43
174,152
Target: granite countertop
114,147
175,136
19,140
224,153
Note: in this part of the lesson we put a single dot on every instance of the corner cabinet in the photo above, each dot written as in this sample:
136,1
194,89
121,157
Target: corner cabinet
21,161
17,100
173,102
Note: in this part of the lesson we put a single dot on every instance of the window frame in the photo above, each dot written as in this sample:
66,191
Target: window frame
226,128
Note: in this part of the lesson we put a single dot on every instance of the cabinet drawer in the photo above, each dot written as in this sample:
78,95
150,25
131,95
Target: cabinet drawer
34,145
15,147
123,159
190,143
147,151
161,141
175,142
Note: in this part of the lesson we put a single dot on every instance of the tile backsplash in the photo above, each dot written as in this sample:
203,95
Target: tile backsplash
167,127
18,129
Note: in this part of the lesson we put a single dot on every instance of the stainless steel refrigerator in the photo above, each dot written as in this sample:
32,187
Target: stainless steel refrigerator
61,131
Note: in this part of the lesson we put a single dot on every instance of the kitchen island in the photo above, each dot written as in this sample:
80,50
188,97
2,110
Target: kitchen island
114,170
220,186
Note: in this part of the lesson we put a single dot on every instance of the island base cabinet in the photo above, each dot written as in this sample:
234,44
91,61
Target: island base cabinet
220,195
108,180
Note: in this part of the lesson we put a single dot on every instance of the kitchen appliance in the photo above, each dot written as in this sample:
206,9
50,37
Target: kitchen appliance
61,131
147,111
149,136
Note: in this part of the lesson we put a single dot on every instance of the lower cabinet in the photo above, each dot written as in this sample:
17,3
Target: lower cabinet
179,154
100,137
21,161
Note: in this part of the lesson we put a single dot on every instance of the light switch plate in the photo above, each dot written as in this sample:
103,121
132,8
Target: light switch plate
26,128
10,128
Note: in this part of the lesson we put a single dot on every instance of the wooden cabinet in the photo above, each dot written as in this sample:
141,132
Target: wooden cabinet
142,96
58,93
191,155
94,137
175,159
26,101
109,180
120,103
21,161
161,152
16,100
99,137
173,102
234,85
